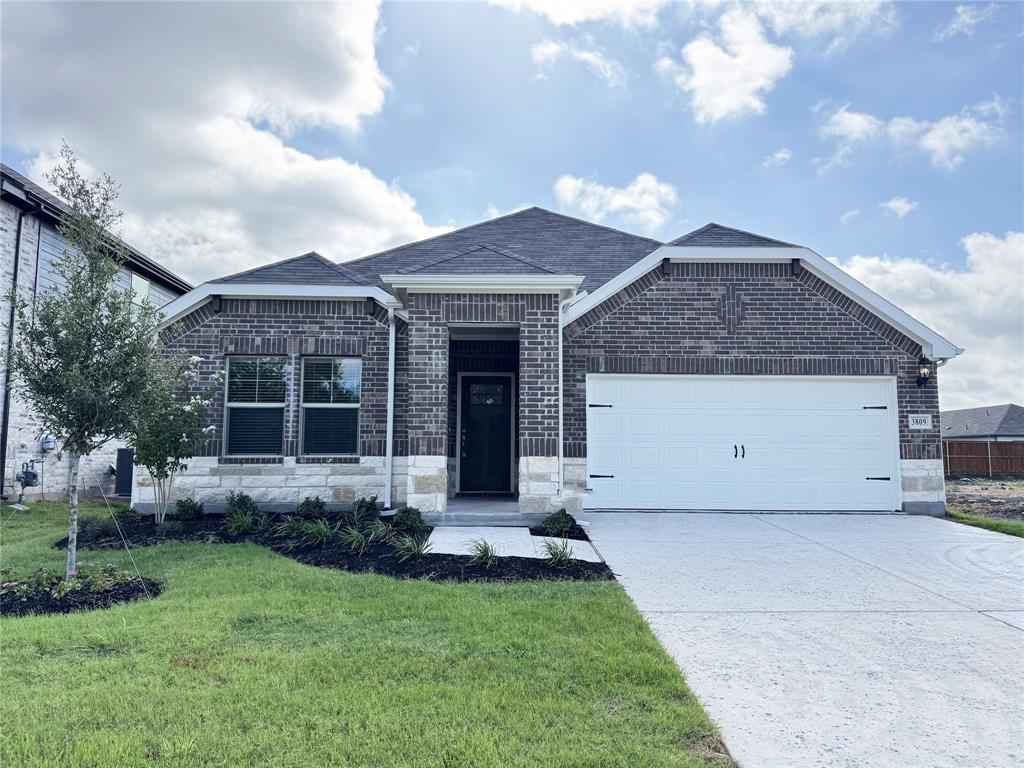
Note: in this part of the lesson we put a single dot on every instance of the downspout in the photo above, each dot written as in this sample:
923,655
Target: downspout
7,371
562,305
389,448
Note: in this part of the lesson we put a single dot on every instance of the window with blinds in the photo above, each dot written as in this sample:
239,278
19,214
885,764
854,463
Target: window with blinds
331,389
256,395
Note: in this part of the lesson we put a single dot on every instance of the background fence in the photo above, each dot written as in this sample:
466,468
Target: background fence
986,459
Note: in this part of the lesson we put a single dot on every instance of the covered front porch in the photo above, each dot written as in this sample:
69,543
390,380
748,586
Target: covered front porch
483,405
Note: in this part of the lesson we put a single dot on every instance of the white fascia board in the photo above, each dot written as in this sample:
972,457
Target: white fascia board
933,344
189,302
484,283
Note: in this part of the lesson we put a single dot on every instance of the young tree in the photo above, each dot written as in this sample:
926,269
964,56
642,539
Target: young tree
170,427
85,350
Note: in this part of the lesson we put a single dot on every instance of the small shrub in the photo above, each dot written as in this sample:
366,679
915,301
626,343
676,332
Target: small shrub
409,519
364,510
98,528
559,553
188,509
240,522
43,580
242,515
171,528
311,508
484,553
239,501
126,515
557,524
408,547
380,531
318,532
354,539
291,527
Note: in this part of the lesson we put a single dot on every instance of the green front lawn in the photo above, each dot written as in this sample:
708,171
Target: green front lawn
249,658
999,525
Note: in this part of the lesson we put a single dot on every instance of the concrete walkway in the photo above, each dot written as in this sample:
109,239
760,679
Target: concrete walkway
510,542
836,640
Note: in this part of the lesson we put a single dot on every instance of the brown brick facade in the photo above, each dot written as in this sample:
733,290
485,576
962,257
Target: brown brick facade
716,318
293,328
535,316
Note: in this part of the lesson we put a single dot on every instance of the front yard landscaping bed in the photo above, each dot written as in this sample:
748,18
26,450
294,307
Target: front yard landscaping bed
561,525
44,592
248,658
376,556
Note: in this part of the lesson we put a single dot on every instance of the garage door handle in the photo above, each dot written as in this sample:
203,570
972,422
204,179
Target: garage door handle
743,451
602,475
735,452
878,478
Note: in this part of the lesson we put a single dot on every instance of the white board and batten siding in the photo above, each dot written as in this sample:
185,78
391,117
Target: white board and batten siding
737,443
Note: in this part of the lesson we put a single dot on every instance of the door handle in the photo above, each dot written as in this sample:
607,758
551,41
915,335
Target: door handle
735,451
743,451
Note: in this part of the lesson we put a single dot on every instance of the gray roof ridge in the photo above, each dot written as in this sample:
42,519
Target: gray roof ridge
251,270
443,234
339,268
471,249
681,239
600,226
518,257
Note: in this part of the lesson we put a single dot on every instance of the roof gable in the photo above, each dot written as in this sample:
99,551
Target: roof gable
307,269
533,239
713,235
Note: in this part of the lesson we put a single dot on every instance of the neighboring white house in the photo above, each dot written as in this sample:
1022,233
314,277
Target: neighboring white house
29,244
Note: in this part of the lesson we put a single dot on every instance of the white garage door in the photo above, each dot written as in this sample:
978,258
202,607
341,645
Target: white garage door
742,443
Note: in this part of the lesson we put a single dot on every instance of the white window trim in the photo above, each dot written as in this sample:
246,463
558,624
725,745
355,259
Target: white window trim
302,407
283,405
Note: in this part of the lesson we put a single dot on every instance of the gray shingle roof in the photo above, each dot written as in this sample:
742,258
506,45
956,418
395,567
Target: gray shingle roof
993,420
716,236
531,240
308,269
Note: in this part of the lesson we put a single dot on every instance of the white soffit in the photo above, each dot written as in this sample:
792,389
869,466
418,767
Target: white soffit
934,345
189,302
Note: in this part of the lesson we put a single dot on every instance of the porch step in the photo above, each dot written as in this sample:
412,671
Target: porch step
486,519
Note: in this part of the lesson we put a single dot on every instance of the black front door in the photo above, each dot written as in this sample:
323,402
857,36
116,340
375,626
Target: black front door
486,439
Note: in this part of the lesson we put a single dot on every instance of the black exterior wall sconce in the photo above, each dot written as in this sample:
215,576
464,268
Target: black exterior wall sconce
924,371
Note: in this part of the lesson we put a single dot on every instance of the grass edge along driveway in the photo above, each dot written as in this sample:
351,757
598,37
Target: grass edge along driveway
249,658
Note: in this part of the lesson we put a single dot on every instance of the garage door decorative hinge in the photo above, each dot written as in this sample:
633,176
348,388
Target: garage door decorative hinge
875,407
878,478
602,475
597,405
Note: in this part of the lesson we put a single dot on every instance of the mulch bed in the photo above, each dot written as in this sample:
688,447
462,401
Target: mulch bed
576,533
377,558
437,567
79,599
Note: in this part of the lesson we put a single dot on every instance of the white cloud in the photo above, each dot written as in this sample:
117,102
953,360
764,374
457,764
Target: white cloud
777,158
194,122
645,202
965,19
899,206
547,52
729,79
626,13
849,216
946,141
816,18
977,307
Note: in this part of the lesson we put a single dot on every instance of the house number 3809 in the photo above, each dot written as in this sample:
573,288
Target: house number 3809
921,421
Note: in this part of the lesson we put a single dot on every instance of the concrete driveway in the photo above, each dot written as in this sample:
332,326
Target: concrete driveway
836,640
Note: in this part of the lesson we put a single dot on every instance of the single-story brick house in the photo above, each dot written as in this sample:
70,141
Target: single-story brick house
566,364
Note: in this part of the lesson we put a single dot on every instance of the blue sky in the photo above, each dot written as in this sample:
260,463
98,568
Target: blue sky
885,136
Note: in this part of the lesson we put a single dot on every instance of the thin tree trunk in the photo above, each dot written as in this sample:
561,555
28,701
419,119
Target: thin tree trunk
73,459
